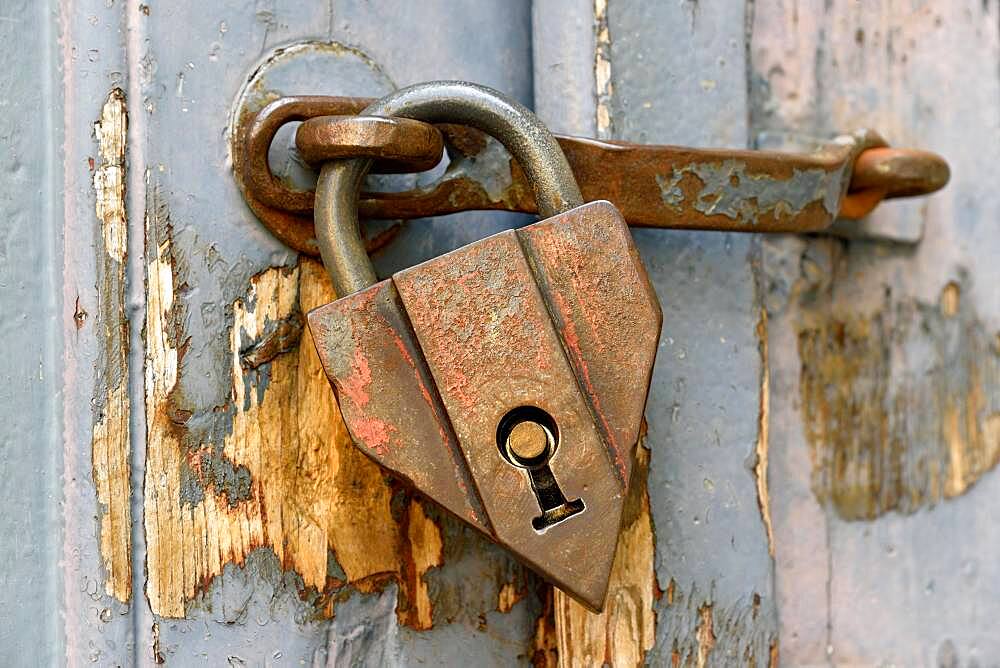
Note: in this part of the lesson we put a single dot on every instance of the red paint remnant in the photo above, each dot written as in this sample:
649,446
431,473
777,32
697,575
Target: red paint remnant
569,335
457,384
355,386
424,392
373,432
398,340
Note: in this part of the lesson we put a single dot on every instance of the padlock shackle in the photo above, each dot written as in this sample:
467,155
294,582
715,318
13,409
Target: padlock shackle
511,123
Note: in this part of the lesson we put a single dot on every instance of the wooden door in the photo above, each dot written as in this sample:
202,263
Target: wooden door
822,426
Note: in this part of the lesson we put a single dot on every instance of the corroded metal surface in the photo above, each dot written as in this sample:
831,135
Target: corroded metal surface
403,144
595,284
387,396
653,186
426,375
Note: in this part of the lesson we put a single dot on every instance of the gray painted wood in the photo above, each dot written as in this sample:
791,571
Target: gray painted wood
679,75
31,312
915,583
563,45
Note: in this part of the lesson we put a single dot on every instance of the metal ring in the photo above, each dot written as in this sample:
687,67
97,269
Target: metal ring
517,128
405,145
257,174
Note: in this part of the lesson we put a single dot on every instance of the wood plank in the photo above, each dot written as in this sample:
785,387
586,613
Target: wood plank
703,495
567,61
31,329
676,73
884,357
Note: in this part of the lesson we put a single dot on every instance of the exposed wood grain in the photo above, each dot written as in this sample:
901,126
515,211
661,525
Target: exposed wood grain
879,445
602,71
705,635
763,420
110,439
624,632
422,551
545,644
286,477
508,597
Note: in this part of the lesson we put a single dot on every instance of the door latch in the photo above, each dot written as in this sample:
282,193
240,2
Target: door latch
653,186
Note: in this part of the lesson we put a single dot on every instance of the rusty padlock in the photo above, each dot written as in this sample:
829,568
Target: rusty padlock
506,380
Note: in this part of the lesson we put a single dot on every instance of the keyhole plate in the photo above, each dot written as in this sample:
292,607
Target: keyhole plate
527,437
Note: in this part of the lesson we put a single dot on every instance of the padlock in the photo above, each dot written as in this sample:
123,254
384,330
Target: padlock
505,380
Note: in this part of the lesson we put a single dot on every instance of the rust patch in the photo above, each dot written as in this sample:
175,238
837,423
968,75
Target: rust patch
110,450
79,314
901,406
625,631
281,337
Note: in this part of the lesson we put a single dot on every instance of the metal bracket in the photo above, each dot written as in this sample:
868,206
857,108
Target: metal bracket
653,186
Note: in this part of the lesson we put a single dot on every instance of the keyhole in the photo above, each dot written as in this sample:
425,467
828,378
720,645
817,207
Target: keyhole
528,437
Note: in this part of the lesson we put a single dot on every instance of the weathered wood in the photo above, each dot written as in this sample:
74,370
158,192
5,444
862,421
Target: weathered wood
286,476
884,357
571,43
217,512
255,502
111,447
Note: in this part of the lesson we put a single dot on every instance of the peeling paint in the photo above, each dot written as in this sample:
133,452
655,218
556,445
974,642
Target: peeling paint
701,632
901,406
110,447
490,168
760,467
726,188
602,70
308,492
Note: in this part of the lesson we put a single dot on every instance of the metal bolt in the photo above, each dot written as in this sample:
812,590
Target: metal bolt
528,440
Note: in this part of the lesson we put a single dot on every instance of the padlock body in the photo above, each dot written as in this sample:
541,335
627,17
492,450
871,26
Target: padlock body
559,317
